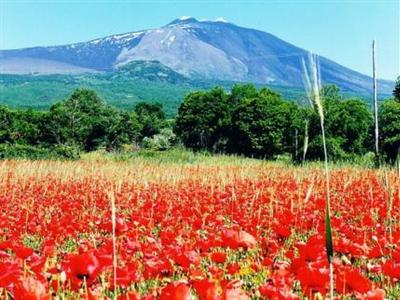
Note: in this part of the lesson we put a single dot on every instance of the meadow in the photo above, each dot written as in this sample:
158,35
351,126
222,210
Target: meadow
193,226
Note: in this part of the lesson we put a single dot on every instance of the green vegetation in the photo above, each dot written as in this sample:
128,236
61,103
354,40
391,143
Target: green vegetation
18,151
396,91
389,120
348,125
203,119
246,121
260,123
124,88
83,122
40,92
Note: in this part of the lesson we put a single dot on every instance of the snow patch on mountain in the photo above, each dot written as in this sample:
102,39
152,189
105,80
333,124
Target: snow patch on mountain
221,19
118,38
185,53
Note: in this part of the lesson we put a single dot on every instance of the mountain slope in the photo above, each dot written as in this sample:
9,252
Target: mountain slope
124,87
196,49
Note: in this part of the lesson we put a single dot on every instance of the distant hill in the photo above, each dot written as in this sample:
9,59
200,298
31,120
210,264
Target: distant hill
124,87
196,50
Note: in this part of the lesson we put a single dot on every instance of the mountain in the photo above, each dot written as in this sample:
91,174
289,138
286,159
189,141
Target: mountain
124,87
210,50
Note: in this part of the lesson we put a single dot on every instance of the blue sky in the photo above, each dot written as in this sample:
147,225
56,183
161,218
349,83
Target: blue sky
341,30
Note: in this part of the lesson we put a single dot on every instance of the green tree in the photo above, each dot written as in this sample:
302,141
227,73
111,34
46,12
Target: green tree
350,120
389,121
87,122
262,125
203,120
6,118
241,91
347,125
151,117
27,127
125,129
396,91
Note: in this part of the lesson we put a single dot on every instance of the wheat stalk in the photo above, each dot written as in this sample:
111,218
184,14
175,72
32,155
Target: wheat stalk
114,240
313,87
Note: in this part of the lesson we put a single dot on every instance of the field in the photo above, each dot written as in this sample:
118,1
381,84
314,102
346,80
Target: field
199,228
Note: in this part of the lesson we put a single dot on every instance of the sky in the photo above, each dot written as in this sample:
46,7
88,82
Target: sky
341,30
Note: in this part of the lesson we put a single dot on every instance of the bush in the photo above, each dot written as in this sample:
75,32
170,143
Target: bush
334,148
13,151
162,141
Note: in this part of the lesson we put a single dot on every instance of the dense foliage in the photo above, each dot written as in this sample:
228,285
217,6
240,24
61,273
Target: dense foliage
245,120
347,125
390,127
258,122
396,91
83,122
203,119
262,124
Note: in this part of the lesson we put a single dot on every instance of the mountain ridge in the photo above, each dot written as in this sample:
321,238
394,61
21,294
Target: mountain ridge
214,50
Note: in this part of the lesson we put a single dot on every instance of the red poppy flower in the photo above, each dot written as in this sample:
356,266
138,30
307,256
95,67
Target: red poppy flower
125,276
176,291
206,289
129,296
218,257
313,278
233,291
376,294
233,268
121,226
275,293
351,280
188,258
82,267
236,239
22,252
155,266
391,268
30,289
9,273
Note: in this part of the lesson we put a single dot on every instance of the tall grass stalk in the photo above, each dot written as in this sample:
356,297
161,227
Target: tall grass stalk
114,241
314,94
305,147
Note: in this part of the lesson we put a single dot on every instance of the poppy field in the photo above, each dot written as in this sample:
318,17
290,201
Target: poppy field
211,231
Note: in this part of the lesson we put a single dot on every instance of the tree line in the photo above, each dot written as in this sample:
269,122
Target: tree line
259,123
83,122
245,120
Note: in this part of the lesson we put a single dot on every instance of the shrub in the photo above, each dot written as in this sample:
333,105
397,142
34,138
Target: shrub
162,141
13,151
